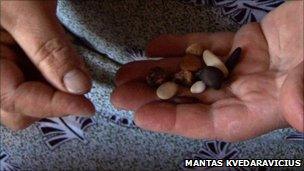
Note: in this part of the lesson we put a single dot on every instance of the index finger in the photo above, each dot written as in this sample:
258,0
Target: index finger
227,120
37,99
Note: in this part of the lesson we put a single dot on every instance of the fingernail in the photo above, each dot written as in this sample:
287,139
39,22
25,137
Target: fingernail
77,82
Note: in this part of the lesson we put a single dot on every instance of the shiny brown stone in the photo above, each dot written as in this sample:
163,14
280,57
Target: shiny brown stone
190,63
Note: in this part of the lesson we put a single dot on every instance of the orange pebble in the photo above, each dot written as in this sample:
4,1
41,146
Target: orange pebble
190,63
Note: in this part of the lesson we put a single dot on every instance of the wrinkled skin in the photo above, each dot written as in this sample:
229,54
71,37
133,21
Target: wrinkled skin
264,92
36,84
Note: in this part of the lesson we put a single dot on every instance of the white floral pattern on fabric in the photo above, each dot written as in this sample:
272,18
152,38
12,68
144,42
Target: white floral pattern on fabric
62,129
5,165
136,53
241,11
296,136
122,121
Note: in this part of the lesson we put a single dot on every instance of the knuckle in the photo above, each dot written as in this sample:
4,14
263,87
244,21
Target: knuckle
7,103
54,54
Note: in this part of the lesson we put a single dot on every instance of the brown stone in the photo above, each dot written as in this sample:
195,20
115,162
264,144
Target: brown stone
184,78
190,63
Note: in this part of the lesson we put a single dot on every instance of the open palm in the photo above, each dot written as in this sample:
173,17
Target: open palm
264,92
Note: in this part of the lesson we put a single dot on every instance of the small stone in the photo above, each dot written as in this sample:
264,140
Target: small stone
167,90
233,59
195,49
184,78
157,76
190,63
211,59
198,87
212,77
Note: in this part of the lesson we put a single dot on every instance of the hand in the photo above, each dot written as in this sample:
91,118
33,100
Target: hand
56,88
264,91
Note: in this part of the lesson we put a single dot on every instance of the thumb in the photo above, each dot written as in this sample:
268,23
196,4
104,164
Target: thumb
35,27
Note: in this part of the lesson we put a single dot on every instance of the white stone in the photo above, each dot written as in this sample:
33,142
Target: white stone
211,59
198,87
167,90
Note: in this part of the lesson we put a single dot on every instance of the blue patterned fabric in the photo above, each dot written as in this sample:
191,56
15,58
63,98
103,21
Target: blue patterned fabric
109,34
241,11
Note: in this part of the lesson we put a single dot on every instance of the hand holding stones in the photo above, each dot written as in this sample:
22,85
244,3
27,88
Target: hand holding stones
199,69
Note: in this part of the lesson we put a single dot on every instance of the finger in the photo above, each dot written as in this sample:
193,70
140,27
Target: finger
16,121
285,35
134,94
6,38
292,98
139,69
209,96
37,99
24,64
44,41
7,53
255,57
40,100
173,45
190,120
228,121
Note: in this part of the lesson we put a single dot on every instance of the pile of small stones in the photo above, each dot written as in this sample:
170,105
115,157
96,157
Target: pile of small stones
199,69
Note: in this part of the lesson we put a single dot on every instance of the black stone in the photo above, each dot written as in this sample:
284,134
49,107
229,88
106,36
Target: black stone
198,75
212,77
233,59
